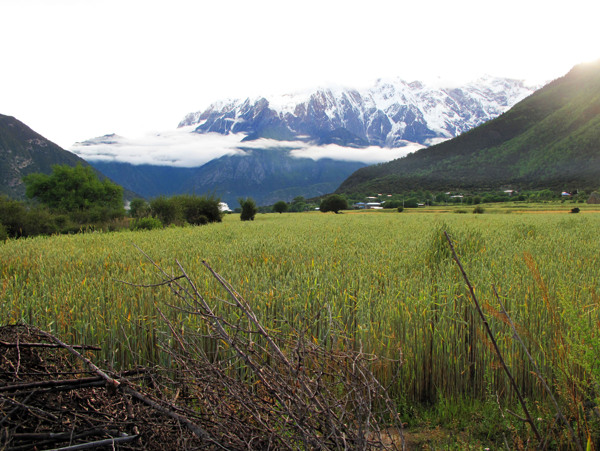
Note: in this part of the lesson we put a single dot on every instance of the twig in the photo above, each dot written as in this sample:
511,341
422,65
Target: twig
493,340
46,345
97,444
52,383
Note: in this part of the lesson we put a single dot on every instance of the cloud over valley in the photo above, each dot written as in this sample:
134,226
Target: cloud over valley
184,148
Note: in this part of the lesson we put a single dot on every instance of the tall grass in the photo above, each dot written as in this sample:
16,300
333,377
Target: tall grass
388,278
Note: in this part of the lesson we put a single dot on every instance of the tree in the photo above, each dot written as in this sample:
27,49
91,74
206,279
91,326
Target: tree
298,204
334,203
411,203
76,190
280,207
139,208
249,209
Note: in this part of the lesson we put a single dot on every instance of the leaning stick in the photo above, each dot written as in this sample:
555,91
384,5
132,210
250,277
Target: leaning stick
109,380
528,418
538,373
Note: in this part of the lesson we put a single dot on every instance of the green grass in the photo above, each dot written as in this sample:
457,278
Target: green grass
388,278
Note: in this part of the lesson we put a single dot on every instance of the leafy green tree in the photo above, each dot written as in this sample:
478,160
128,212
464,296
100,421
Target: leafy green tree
280,207
75,189
249,209
334,203
411,203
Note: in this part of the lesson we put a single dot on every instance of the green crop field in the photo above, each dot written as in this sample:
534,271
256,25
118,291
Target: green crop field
387,278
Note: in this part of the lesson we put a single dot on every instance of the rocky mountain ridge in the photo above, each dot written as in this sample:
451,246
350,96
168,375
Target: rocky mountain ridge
390,114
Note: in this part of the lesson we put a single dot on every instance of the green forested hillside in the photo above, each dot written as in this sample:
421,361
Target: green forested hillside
549,140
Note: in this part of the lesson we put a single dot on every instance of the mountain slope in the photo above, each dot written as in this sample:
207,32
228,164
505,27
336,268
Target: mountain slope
386,115
266,175
23,151
551,140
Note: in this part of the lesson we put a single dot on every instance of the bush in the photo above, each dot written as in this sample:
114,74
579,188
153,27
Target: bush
392,204
147,223
400,209
478,210
249,209
166,210
178,210
575,210
198,210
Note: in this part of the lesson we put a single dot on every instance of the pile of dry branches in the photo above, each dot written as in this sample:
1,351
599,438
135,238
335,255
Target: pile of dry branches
254,388
52,396
231,384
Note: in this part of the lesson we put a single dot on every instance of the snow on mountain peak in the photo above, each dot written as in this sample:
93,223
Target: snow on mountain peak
387,114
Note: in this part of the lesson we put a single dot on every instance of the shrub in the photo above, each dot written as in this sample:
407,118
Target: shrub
400,209
178,210
392,204
166,210
249,209
198,210
575,210
479,210
147,223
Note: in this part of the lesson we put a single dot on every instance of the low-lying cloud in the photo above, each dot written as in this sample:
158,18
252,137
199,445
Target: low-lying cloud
183,148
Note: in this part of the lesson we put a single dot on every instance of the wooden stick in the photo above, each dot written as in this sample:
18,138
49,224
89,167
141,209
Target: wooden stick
109,380
538,373
98,443
52,383
493,340
46,345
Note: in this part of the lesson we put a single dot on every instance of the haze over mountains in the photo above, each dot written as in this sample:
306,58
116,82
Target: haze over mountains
303,144
549,140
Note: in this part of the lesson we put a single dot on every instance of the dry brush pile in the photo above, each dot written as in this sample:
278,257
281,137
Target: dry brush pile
231,384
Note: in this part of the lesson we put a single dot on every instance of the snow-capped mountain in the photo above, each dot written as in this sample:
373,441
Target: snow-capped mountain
389,114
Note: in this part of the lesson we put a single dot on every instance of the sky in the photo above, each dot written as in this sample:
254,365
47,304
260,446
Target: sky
76,69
